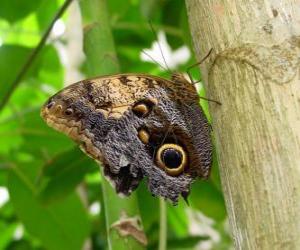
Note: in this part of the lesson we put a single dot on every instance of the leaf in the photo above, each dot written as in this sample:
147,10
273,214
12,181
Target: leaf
63,173
61,226
14,10
50,68
45,13
3,171
118,9
7,232
10,140
46,69
13,57
178,220
23,33
173,8
185,243
21,244
149,8
208,199
147,203
39,139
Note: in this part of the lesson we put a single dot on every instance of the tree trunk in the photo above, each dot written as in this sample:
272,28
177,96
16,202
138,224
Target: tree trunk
253,72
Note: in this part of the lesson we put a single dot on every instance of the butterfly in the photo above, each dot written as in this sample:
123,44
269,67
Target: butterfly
136,126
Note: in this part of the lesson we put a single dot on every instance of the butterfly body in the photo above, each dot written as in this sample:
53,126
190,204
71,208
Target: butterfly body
137,126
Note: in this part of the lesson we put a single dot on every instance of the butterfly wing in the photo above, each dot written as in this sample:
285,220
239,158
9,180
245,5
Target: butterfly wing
136,126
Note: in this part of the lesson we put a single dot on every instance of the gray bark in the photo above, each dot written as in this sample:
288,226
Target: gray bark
253,72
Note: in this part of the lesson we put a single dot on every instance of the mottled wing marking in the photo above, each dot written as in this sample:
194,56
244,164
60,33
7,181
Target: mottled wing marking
74,129
107,132
115,95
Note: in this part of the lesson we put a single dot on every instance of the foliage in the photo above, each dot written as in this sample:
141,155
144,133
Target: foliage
53,187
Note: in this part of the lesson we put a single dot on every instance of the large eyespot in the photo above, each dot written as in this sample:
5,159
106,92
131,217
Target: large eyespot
172,158
144,107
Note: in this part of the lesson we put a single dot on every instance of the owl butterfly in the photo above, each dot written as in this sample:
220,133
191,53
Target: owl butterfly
137,126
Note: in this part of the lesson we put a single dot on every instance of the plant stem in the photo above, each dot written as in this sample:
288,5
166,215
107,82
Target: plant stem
162,225
33,55
101,59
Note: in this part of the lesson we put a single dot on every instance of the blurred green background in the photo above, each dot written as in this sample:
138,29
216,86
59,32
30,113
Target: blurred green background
50,192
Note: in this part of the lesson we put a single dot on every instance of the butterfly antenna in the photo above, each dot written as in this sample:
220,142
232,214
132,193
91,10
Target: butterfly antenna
210,100
188,71
159,46
147,54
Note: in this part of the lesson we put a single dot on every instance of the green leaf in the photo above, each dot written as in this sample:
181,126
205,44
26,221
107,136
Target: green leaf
12,59
207,198
173,18
14,10
23,33
63,173
147,203
185,28
3,172
46,69
185,243
21,245
60,226
46,12
178,220
41,140
7,232
50,68
182,243
117,9
10,139
149,8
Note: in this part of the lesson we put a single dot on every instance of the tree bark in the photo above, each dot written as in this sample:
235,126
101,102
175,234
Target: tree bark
253,72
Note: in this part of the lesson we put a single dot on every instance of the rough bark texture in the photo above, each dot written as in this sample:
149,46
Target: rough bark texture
253,72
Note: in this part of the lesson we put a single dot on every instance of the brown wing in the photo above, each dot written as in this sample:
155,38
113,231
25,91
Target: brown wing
114,94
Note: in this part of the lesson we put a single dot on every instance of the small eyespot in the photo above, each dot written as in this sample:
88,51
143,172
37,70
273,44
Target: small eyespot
50,105
144,107
172,158
141,110
143,136
58,108
68,111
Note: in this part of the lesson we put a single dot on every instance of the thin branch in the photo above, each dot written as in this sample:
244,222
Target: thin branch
33,54
162,225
